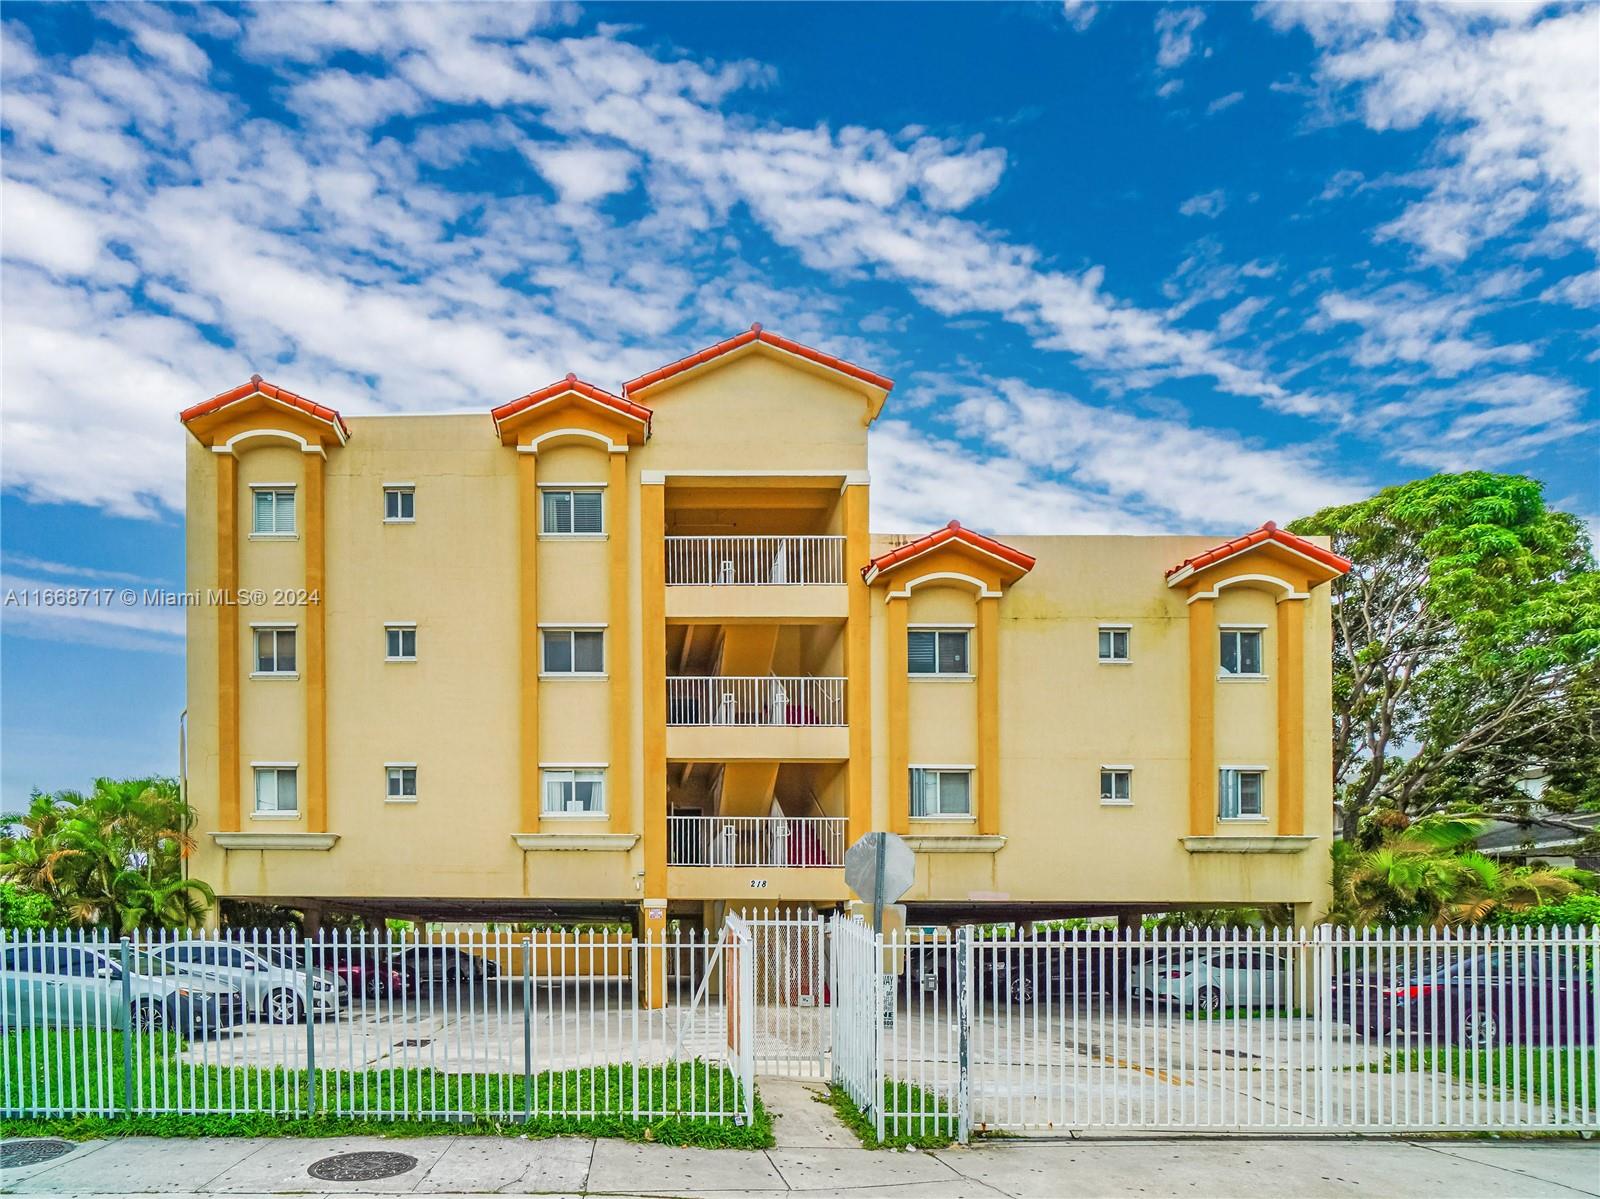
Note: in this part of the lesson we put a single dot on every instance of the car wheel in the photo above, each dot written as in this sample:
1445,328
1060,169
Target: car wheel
374,987
1022,990
1208,1000
150,1016
1479,1028
282,1007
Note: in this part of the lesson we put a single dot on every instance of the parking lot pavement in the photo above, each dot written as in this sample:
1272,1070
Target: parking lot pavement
1146,1167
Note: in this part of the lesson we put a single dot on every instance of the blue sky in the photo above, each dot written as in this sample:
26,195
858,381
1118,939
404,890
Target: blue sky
1133,267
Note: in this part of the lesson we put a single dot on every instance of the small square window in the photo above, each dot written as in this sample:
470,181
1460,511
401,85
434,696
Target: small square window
941,792
1116,785
569,512
275,790
272,512
574,651
275,651
574,792
400,642
1240,795
402,783
938,651
399,504
1113,645
1241,651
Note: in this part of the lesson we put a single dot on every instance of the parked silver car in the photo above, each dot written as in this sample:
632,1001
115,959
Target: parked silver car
1210,979
274,988
81,986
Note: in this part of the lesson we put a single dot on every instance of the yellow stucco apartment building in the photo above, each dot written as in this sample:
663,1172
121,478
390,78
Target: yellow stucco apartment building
590,654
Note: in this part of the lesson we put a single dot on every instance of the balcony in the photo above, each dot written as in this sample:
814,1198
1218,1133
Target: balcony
756,842
768,718
765,577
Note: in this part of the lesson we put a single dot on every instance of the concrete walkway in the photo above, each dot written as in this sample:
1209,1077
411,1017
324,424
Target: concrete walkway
1192,1166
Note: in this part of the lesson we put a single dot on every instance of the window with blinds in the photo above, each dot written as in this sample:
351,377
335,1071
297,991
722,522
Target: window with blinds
574,792
1241,794
570,512
938,651
940,792
273,512
574,651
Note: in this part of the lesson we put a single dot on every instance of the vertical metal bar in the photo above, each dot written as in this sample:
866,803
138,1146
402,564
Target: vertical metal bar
308,1012
128,1034
963,957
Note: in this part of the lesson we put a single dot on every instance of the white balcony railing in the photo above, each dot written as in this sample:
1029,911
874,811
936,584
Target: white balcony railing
754,700
799,841
763,561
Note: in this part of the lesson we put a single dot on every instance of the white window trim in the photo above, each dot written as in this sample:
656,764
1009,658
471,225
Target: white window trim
605,524
1113,627
960,768
397,624
935,676
1263,818
387,767
293,489
601,813
556,626
294,815
399,520
1119,803
937,625
1241,627
274,626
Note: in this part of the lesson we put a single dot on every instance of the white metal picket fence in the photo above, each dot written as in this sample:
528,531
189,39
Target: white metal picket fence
461,1025
1326,1030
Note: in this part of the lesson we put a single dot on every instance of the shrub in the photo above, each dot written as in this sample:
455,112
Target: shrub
1575,910
22,908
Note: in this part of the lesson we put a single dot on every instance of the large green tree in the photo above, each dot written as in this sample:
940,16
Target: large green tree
1466,654
113,858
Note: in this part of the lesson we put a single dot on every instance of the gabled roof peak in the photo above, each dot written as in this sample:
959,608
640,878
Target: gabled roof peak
1268,533
259,386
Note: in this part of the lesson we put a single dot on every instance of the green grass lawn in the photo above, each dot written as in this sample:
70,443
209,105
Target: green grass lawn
1554,1076
927,1123
411,1101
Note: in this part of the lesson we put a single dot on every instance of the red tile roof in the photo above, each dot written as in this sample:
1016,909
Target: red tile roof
1267,532
753,334
574,384
950,532
258,386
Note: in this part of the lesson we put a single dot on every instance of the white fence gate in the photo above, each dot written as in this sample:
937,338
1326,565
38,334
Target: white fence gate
791,994
1326,1030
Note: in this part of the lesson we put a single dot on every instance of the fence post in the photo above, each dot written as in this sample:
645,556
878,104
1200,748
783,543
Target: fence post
747,1030
963,1032
1321,1002
527,1029
130,1029
306,1010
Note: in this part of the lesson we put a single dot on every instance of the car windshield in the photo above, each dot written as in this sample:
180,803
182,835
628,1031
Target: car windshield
282,958
146,963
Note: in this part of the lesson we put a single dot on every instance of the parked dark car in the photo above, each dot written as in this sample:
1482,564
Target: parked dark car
1484,997
365,971
70,986
424,967
1048,966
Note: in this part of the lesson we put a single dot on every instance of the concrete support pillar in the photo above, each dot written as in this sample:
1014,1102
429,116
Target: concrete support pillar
228,649
899,797
314,664
311,920
1202,717
528,636
858,666
988,668
1291,717
655,953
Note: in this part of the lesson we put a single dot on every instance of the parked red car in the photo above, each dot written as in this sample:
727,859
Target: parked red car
363,971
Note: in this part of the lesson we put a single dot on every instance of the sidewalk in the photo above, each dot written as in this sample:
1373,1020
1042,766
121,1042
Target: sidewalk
1192,1166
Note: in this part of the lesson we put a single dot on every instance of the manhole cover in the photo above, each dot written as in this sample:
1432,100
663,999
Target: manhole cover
15,1154
415,1042
361,1167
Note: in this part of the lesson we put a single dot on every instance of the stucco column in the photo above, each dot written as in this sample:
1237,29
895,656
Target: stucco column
315,667
858,666
1291,717
621,801
899,797
528,633
653,679
227,643
1202,717
988,682
655,953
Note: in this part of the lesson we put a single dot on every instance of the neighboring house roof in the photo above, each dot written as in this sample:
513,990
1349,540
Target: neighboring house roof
932,541
258,386
1267,533
1503,836
577,386
751,335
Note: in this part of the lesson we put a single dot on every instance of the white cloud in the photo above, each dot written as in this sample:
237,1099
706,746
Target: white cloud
1207,204
1484,423
1175,29
1223,103
1513,92
1080,14
583,174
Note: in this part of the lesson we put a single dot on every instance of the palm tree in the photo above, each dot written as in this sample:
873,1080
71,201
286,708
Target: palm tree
1429,873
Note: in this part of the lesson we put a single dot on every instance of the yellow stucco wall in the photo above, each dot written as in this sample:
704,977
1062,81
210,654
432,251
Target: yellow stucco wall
456,711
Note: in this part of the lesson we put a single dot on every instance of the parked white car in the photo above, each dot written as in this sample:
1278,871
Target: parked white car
1210,979
51,985
274,990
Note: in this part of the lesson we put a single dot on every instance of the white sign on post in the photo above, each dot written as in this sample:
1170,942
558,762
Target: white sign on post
880,868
